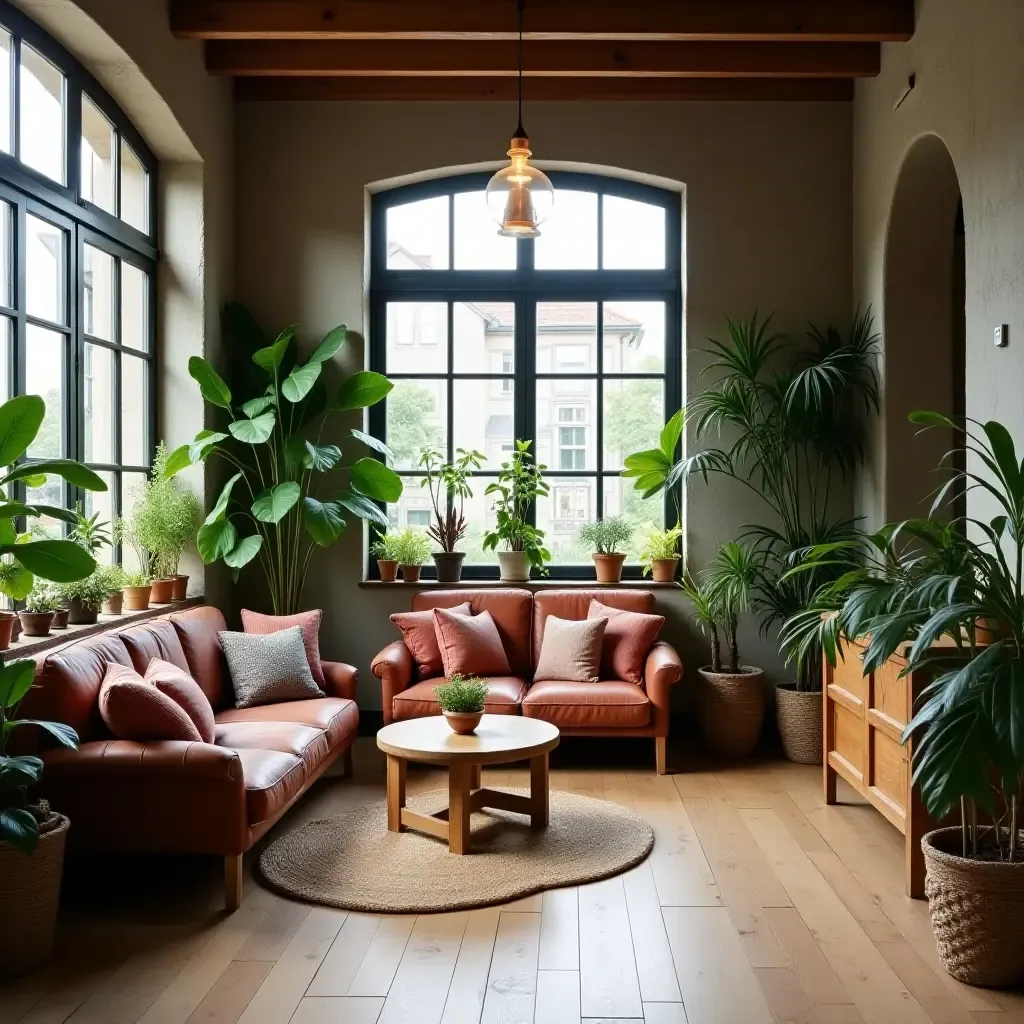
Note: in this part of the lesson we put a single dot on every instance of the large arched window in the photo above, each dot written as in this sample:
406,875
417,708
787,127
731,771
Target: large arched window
571,341
77,266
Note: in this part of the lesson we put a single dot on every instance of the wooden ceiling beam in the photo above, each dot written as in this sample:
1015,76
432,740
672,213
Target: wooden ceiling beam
570,89
584,59
704,20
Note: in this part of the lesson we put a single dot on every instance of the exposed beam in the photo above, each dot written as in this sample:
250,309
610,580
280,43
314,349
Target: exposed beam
586,89
582,58
761,20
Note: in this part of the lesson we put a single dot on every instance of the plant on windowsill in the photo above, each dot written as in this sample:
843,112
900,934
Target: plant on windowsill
606,537
84,597
461,700
386,553
520,483
660,554
40,607
112,578
174,521
136,591
411,549
448,485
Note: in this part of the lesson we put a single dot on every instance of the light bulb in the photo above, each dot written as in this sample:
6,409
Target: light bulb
519,197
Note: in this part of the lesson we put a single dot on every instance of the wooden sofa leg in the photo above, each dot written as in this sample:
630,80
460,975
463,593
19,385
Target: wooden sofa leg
347,764
660,753
233,878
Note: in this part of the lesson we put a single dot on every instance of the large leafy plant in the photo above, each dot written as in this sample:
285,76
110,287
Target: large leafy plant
520,483
448,485
273,507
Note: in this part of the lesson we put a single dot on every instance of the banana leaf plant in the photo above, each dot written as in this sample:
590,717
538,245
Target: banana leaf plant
290,493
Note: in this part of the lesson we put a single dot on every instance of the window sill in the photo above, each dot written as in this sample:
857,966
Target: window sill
572,584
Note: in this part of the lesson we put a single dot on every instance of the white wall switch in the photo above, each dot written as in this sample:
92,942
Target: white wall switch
1002,335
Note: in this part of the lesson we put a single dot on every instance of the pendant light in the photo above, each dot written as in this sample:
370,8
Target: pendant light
519,196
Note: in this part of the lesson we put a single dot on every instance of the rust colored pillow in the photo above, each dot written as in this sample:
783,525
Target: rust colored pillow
136,710
419,636
259,625
185,692
470,644
628,639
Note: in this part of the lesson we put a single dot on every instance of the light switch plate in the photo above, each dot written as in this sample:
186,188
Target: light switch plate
1002,335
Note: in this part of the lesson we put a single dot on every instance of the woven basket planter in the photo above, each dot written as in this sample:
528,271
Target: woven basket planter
732,710
799,718
977,912
29,895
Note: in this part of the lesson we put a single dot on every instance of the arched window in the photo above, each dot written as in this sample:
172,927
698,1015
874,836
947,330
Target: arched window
77,266
571,341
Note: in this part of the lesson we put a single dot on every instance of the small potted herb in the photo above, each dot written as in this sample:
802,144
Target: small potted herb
660,554
448,485
136,591
37,616
461,701
112,579
383,549
520,483
605,537
411,549
84,598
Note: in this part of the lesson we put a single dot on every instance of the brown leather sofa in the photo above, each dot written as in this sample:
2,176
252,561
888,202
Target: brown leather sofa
610,708
181,797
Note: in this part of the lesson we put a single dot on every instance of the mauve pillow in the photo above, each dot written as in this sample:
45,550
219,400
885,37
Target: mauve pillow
470,644
133,709
628,639
185,692
418,632
260,625
571,650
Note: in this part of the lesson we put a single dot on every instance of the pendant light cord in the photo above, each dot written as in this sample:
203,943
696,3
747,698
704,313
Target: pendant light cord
520,133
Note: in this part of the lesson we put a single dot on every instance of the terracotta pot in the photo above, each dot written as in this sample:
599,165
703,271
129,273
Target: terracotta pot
732,710
977,911
80,615
449,565
31,896
608,567
515,566
36,623
136,599
112,605
180,589
388,568
162,591
799,714
463,722
7,620
60,619
663,570
411,573
15,628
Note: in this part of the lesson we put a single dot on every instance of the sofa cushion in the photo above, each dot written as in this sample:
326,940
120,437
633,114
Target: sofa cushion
470,644
177,684
197,630
628,639
571,650
272,780
151,640
505,693
575,604
613,704
136,710
419,636
303,741
335,716
269,668
309,622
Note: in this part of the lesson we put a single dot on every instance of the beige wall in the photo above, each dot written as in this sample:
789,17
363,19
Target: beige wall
970,93
768,190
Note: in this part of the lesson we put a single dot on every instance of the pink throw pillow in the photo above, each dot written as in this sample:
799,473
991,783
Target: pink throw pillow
628,639
185,692
470,644
260,625
133,709
418,633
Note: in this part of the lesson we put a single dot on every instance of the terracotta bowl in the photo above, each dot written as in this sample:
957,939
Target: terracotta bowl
463,722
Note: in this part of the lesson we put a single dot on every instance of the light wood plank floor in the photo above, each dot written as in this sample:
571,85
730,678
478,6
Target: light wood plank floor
759,905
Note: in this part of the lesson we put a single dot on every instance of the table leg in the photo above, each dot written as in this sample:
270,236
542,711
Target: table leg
474,776
458,807
396,793
539,791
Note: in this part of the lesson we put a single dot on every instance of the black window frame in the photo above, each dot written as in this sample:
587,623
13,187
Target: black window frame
30,192
524,287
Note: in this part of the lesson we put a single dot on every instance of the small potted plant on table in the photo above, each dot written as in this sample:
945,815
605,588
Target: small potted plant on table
520,483
461,701
383,549
660,554
605,537
411,549
37,615
448,485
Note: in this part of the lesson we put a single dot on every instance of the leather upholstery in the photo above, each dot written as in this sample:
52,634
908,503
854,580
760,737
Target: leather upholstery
607,704
197,630
272,781
340,679
394,668
337,717
418,701
574,604
156,639
302,741
662,671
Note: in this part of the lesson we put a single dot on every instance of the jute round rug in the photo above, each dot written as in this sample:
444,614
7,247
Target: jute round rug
351,861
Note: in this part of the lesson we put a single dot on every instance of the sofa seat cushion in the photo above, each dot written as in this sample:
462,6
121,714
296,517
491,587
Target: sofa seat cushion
287,737
505,694
272,780
612,704
338,717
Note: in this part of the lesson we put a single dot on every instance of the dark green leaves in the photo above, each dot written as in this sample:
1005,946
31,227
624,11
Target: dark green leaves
270,358
298,383
276,502
362,390
73,472
652,470
211,386
62,561
321,457
218,511
372,442
216,539
375,480
205,441
257,405
363,507
15,680
254,431
323,521
327,348
244,551
19,828
20,420
178,460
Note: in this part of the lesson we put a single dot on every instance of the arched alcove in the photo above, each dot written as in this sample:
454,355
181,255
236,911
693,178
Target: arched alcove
924,325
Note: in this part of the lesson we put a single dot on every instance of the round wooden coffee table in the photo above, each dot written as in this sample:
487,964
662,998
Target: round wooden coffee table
499,739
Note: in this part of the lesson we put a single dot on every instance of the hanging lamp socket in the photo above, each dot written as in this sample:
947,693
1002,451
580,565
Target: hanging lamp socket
911,82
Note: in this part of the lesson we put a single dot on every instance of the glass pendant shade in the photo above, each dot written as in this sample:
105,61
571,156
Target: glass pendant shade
519,196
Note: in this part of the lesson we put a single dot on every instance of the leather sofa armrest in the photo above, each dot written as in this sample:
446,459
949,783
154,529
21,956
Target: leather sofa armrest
109,759
662,670
394,668
341,679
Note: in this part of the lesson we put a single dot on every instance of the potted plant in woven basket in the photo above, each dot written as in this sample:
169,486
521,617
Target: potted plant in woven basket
606,538
659,554
411,550
448,486
731,708
461,700
520,483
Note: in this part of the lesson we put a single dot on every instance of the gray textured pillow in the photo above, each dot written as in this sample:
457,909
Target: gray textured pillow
268,668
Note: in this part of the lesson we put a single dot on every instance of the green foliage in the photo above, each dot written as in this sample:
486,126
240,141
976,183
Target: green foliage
111,578
411,430
606,536
43,598
409,546
520,483
90,592
448,484
658,545
136,578
461,694
272,508
387,547
90,532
